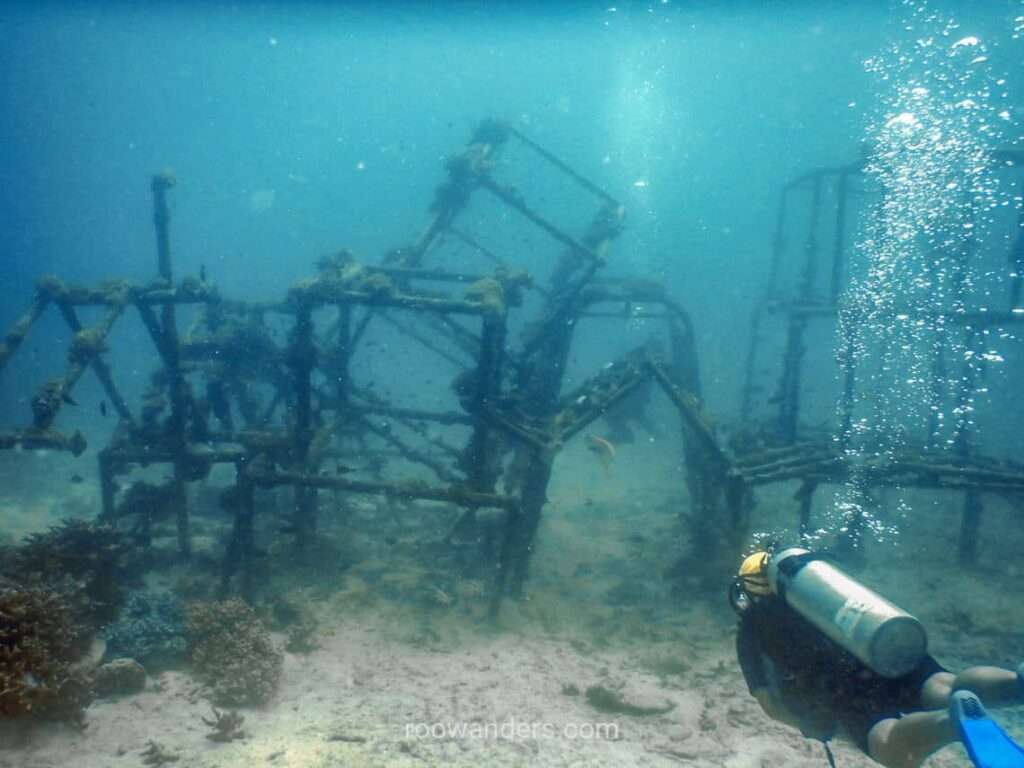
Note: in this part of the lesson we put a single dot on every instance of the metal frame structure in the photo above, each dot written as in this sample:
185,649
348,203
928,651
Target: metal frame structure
206,403
793,452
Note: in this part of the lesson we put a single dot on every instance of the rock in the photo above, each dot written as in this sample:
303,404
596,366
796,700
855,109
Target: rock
612,702
121,677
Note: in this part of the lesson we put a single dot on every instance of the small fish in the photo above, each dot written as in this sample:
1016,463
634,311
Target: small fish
76,479
67,398
604,450
103,408
202,273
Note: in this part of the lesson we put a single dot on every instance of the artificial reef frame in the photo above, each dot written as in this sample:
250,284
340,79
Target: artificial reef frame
201,410
780,447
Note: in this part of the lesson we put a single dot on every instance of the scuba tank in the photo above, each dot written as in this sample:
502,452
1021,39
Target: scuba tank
887,639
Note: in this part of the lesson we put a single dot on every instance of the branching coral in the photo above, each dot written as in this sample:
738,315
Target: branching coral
39,643
233,653
86,553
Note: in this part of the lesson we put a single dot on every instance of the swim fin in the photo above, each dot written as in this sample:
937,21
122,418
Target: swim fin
988,745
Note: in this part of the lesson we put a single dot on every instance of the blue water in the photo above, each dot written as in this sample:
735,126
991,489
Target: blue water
344,114
296,129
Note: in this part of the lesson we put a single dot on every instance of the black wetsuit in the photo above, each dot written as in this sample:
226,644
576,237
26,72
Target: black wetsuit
817,680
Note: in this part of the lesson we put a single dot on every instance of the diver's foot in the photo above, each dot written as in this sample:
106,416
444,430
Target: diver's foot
965,705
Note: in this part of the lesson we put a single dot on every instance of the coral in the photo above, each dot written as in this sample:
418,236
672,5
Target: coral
166,179
489,292
151,630
232,652
87,344
86,553
39,644
47,402
226,726
377,285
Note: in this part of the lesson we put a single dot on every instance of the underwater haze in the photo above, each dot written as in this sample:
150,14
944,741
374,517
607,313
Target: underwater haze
378,371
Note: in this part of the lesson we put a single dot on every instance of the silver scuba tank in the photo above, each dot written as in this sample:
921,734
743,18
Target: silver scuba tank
889,640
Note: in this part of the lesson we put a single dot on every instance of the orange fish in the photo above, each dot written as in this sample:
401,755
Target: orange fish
605,452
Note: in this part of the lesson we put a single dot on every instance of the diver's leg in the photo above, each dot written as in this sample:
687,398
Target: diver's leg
936,690
994,686
905,742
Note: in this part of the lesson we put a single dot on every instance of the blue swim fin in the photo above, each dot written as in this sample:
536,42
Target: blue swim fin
988,745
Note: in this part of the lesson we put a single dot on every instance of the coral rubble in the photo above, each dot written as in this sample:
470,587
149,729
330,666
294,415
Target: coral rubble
225,726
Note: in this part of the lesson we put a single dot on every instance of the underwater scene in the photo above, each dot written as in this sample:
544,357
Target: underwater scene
512,384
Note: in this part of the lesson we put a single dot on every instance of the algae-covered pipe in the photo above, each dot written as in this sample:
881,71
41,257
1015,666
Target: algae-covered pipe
162,182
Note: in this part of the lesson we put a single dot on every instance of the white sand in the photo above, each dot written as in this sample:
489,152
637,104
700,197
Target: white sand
391,675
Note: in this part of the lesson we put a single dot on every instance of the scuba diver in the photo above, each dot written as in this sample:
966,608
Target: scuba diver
824,654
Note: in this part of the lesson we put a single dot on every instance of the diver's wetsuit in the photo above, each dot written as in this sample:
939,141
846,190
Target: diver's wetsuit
815,678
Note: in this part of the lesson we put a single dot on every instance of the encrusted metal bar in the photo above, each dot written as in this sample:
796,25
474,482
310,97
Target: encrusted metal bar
36,440
479,462
557,313
691,410
412,454
451,197
176,385
379,406
239,501
301,361
839,238
472,242
599,394
22,326
539,382
85,349
100,367
563,166
428,343
454,494
515,200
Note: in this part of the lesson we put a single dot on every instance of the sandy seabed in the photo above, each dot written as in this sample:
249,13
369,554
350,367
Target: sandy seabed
369,698
393,683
